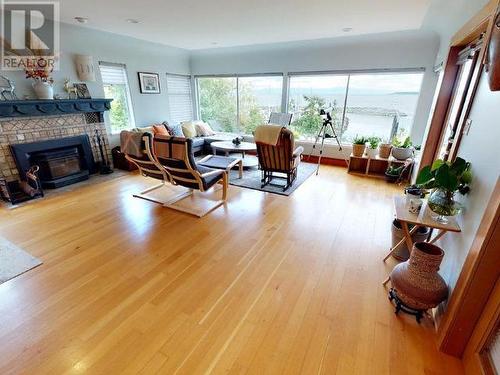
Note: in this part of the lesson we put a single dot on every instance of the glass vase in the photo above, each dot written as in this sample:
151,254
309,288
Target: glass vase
442,204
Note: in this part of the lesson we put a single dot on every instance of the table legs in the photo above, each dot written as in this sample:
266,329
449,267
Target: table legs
409,243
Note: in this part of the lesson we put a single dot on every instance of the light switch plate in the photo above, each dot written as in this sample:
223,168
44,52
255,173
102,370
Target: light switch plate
468,123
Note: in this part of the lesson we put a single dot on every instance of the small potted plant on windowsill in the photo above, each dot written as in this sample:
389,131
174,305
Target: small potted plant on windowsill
402,150
371,150
384,149
358,146
393,172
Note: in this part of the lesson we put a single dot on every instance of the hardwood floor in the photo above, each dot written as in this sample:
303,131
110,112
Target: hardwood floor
268,284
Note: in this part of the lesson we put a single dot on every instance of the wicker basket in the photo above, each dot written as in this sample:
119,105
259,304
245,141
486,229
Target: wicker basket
402,252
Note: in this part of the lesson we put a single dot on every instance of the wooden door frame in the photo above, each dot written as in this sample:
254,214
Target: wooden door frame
480,23
475,284
482,265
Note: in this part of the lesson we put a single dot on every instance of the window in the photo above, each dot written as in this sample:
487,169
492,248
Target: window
114,80
308,94
378,104
239,104
258,97
179,98
218,102
382,104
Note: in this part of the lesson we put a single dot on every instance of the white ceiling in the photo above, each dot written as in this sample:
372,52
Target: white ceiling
197,24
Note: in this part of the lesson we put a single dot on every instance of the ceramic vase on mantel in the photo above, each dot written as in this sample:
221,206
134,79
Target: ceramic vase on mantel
43,90
417,281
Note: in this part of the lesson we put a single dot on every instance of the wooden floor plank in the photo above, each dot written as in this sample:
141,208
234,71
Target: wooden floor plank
266,284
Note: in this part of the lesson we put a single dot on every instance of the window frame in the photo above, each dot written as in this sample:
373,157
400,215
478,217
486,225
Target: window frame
285,89
128,95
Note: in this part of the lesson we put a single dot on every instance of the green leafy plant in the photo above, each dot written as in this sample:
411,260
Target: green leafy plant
394,170
405,143
449,176
359,140
373,142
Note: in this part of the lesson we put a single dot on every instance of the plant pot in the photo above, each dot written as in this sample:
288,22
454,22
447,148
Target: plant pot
43,90
358,150
417,281
371,152
384,150
401,253
391,177
401,153
441,202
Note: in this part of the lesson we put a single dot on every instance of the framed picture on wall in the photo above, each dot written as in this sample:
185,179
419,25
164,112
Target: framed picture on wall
82,91
149,83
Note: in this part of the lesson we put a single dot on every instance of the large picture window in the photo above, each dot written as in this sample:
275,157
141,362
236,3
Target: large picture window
239,104
308,94
377,104
115,83
382,105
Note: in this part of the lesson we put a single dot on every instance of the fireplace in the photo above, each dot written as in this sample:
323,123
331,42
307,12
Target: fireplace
62,161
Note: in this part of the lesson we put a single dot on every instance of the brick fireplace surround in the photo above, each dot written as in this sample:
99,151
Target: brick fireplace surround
15,130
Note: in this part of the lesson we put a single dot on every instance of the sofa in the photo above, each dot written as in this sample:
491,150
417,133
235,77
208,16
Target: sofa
200,132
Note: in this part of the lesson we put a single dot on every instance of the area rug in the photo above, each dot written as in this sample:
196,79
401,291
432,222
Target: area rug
14,261
251,180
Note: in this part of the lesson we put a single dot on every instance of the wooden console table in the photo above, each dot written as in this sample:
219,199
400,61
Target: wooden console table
422,219
376,166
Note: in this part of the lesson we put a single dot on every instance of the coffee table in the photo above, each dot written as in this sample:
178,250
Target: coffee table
228,147
222,162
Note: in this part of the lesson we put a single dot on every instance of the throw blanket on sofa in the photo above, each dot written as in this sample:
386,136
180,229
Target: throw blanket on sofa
131,143
268,134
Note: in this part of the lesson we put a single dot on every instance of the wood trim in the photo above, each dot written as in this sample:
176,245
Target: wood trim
313,159
487,27
475,283
441,110
476,358
475,26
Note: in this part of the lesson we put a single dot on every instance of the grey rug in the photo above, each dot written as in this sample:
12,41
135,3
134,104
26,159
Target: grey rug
251,180
14,261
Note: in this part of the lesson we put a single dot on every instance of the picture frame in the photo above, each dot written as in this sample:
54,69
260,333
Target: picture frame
82,91
149,83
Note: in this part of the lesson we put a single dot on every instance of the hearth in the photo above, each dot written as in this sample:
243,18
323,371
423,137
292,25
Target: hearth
62,161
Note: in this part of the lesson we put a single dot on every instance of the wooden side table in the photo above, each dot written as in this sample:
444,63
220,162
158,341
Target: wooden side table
422,219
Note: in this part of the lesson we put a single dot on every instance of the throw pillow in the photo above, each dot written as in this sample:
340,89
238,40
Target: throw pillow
174,130
203,129
160,129
188,129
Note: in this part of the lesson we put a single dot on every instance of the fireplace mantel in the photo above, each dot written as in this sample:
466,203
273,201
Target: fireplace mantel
29,108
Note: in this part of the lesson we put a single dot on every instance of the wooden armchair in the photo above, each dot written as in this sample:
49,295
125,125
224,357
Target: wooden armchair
282,158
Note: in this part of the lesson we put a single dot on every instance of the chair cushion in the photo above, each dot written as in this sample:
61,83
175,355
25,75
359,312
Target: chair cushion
188,129
211,180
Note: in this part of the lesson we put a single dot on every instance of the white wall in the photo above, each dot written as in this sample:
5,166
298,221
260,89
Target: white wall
409,49
480,147
445,17
138,55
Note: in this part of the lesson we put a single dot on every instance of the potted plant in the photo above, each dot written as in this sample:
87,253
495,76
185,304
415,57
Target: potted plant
384,149
358,146
402,149
371,150
42,80
445,179
393,172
